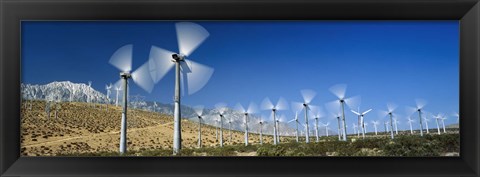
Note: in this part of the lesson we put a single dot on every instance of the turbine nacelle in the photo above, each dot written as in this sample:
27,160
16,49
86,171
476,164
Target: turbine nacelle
125,75
178,57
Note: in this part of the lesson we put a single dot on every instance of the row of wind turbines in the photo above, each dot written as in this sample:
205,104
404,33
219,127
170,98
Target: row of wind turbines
191,77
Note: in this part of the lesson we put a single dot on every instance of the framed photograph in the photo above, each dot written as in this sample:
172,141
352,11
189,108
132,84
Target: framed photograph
248,88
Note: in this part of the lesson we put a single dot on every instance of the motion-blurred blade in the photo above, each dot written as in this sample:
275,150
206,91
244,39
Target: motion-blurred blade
410,110
420,103
119,84
199,110
266,104
382,113
334,107
339,90
160,62
190,36
142,78
353,102
122,58
308,95
197,75
240,108
252,108
221,107
391,107
282,104
297,106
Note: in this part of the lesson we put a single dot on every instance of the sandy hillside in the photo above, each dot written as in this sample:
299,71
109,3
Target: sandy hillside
81,127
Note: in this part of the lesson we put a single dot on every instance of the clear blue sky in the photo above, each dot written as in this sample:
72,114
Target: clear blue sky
382,61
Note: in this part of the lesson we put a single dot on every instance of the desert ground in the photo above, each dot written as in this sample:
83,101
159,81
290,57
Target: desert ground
81,127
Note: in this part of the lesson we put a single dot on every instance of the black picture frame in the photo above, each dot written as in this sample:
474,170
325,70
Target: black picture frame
12,12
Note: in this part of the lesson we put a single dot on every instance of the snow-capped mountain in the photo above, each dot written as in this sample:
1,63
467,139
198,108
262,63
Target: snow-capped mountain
67,91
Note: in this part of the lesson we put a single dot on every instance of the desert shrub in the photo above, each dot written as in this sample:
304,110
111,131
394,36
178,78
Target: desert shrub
411,146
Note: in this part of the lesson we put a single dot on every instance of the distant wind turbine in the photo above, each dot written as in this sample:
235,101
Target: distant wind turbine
268,105
339,91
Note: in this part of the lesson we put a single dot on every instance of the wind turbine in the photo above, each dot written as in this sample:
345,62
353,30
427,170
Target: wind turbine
252,108
438,116
318,113
199,112
187,72
221,107
458,116
326,128
365,129
355,129
390,108
339,91
420,103
268,105
230,129
426,122
261,122
362,121
296,125
396,122
375,123
155,106
386,126
281,118
118,89
444,117
410,122
307,96
109,90
122,59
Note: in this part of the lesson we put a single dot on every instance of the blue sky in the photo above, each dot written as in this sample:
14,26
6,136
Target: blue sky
382,61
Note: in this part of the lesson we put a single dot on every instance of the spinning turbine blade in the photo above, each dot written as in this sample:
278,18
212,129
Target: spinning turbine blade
282,104
221,107
420,103
308,95
353,102
198,110
355,112
410,110
190,36
252,108
122,58
267,104
240,108
339,90
142,78
197,75
334,107
297,106
391,107
160,62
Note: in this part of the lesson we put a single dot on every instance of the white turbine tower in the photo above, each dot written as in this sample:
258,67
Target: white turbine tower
307,96
189,75
326,128
457,115
426,119
438,116
390,108
109,91
230,129
386,126
317,114
118,89
252,108
221,107
420,103
410,122
375,123
296,125
365,127
355,129
199,111
444,117
362,121
396,125
261,122
281,118
339,91
268,105
122,59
